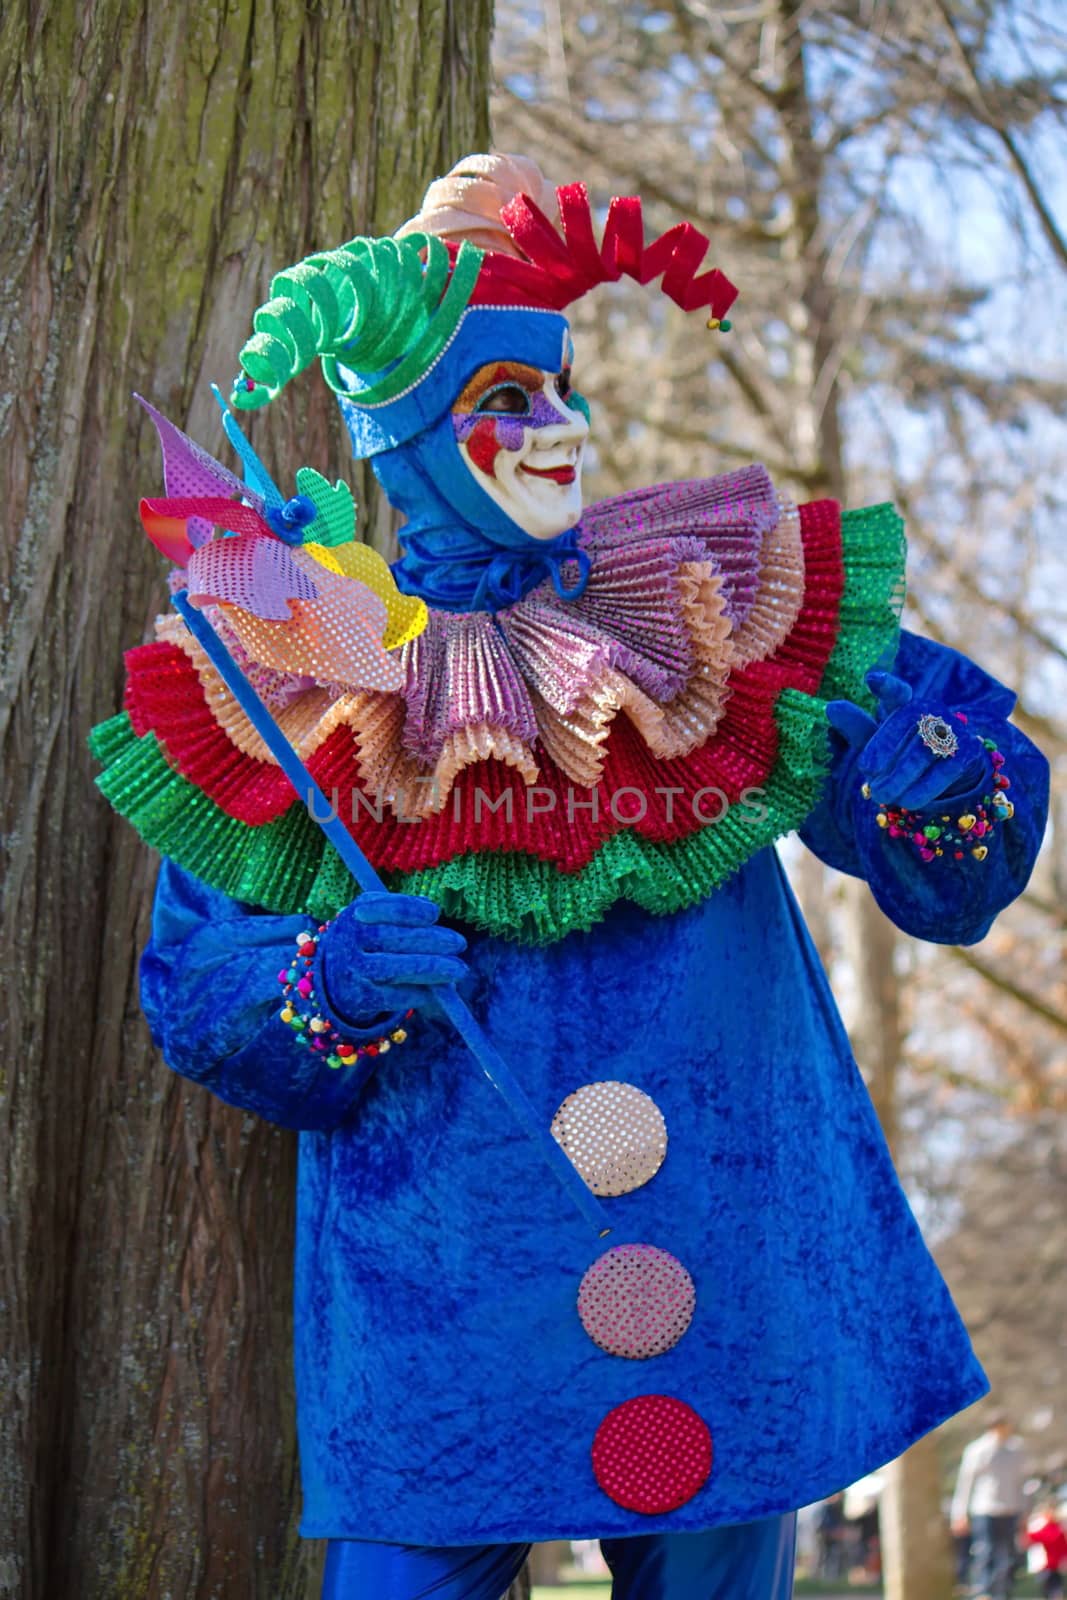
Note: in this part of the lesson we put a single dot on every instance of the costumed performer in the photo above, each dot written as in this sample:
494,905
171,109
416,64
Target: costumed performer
610,716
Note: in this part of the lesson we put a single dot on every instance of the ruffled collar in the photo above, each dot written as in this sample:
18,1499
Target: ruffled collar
717,618
687,582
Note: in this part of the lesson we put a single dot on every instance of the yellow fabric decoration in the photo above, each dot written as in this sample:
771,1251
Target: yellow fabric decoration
407,615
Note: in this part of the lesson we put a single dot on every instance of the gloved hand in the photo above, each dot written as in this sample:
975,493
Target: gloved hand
384,954
901,767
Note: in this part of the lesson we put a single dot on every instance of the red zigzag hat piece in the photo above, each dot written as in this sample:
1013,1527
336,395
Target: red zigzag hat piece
559,269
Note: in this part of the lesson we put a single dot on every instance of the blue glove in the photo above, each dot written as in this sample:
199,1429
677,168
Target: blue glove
384,954
899,766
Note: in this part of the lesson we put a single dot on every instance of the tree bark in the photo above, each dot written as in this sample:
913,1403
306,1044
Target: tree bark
916,1551
169,158
917,1560
917,1556
520,1589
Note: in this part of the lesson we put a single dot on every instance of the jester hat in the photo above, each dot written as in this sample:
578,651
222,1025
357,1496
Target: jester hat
401,324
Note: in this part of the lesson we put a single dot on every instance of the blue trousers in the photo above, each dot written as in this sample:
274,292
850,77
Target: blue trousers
752,1561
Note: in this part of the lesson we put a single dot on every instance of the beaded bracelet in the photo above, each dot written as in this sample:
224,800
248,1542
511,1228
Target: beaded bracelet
313,1027
967,834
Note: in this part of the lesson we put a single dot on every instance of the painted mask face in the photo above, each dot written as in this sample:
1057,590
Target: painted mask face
522,432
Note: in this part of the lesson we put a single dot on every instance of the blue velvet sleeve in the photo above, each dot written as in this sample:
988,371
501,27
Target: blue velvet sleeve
210,992
949,899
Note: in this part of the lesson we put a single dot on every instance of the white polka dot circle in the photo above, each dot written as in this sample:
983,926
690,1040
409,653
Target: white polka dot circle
614,1134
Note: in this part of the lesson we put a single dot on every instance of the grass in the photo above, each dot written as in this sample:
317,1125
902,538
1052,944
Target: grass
597,1589
575,1591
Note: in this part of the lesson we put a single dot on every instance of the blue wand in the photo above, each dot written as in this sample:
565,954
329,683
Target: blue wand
457,1012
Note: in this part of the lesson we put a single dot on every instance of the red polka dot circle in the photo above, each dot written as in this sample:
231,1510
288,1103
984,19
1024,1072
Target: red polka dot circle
652,1454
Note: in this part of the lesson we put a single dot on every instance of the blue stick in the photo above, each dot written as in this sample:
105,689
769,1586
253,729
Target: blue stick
455,1009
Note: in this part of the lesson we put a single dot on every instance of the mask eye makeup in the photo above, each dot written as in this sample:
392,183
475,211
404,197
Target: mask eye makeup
504,387
564,386
506,399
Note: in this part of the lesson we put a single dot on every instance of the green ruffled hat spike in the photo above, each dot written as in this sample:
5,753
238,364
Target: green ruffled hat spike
382,307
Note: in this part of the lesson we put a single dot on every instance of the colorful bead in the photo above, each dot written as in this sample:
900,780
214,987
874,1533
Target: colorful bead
931,839
316,1031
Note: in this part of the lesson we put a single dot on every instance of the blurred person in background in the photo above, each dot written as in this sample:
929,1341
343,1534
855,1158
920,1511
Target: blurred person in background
988,1504
862,1500
1046,1553
832,1539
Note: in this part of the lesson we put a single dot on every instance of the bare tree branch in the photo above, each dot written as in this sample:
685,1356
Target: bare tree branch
1006,985
994,122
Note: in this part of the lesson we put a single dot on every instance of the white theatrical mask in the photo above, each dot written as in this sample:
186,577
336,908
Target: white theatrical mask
524,444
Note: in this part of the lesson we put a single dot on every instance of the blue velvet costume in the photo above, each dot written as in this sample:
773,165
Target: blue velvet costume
448,1393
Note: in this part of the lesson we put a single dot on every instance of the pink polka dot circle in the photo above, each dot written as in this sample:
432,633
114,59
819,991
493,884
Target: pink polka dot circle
636,1301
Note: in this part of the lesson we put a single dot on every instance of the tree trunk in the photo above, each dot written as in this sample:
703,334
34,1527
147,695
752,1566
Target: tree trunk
520,1589
916,1552
917,1556
169,158
917,1562
546,1562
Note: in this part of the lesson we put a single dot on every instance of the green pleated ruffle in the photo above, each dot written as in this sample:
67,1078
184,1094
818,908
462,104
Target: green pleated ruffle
277,866
288,866
873,550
